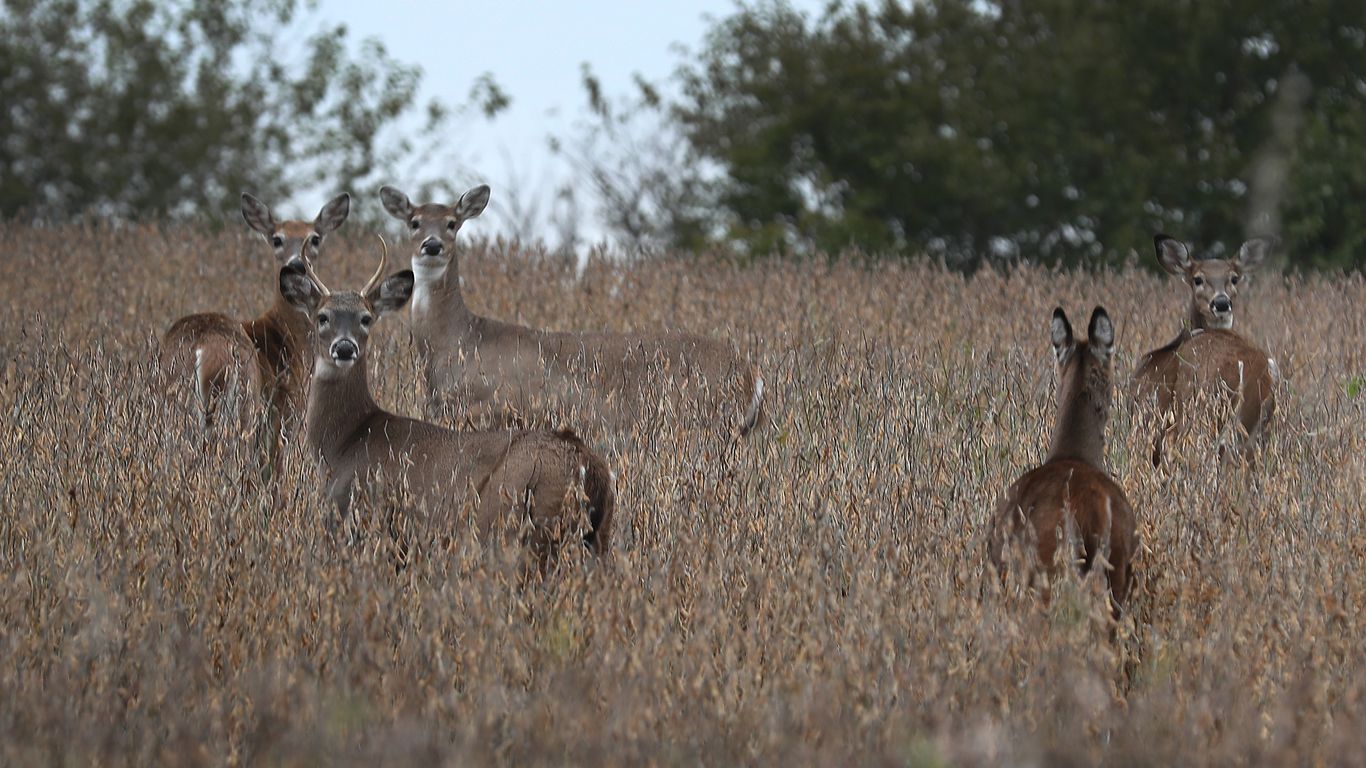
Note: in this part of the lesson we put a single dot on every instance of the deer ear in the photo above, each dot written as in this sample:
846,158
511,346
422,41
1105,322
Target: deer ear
392,294
472,203
395,202
1061,335
333,214
298,288
1172,254
1254,252
1100,335
257,215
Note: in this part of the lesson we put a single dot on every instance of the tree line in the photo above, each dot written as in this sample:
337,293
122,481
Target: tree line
1059,131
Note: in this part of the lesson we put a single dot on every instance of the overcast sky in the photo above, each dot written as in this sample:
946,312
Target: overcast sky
534,49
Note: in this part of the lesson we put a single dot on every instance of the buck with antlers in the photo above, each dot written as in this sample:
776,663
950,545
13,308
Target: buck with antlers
508,475
1071,490
264,361
1208,357
486,366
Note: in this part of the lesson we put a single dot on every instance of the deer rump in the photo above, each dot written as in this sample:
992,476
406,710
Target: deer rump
215,355
1043,500
1219,367
510,477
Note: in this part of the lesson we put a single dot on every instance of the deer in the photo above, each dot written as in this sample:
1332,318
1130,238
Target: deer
261,364
491,367
510,475
1208,358
1071,490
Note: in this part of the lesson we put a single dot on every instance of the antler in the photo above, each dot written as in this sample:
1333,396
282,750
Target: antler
308,266
379,273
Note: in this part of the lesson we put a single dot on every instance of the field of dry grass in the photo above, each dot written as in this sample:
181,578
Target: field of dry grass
817,595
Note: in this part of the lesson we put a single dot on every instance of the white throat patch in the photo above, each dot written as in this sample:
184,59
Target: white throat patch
428,275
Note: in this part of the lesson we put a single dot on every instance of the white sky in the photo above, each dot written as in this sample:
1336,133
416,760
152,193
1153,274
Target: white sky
534,49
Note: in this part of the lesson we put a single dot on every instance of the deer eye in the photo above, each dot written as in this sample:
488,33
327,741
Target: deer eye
1234,280
1199,281
315,241
323,320
277,241
451,225
366,320
413,224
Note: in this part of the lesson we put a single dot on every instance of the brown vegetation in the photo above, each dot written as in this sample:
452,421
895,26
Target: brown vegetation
818,593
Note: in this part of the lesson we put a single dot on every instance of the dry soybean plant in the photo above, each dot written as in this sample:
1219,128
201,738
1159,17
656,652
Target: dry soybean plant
817,594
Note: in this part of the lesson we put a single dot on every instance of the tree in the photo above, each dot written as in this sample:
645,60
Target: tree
1059,130
135,107
631,158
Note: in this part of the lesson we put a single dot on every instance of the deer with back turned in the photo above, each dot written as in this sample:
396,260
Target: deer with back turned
1071,493
488,367
1208,359
509,477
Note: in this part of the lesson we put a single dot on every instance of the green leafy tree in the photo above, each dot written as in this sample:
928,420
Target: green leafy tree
1058,130
135,107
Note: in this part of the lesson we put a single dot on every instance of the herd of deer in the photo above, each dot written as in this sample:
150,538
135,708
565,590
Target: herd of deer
553,482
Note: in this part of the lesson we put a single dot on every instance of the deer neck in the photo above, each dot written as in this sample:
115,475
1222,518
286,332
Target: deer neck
295,331
1083,409
339,404
438,306
1194,320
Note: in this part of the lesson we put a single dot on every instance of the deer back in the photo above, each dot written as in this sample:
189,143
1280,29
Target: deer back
1035,507
504,476
1217,365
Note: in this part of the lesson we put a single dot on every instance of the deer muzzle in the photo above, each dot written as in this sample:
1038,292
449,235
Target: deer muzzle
344,351
1221,306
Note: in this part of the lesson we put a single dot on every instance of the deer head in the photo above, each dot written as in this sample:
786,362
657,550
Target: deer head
1214,283
343,319
1084,385
432,227
295,239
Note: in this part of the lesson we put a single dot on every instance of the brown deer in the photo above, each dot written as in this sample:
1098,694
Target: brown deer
486,365
261,362
1208,357
510,476
1071,491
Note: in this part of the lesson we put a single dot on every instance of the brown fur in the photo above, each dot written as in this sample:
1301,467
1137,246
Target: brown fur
213,353
510,476
1208,358
1071,489
486,366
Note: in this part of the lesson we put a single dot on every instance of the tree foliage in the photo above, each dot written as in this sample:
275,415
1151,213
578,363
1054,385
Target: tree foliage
1060,130
631,159
142,107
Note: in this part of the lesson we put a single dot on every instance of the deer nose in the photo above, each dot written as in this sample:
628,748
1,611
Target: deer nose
431,246
345,350
1221,304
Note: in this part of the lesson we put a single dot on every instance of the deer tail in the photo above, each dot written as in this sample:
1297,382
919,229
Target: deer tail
756,403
